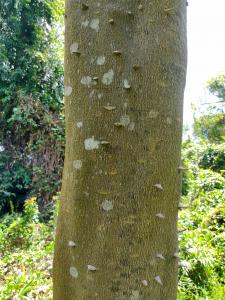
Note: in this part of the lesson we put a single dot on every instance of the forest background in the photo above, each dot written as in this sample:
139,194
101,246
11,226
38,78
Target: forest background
31,162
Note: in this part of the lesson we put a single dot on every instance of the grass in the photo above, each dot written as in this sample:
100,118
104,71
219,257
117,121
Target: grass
27,273
26,252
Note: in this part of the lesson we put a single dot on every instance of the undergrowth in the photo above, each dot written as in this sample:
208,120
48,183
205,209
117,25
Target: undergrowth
26,242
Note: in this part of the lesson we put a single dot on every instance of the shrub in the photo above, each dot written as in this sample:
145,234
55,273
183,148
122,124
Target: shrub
213,158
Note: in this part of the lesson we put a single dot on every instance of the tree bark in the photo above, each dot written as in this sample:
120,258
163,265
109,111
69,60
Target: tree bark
125,70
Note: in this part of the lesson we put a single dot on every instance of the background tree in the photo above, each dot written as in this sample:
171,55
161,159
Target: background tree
31,83
125,69
216,86
202,244
209,121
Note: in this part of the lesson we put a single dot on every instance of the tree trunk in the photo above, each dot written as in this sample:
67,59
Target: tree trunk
125,69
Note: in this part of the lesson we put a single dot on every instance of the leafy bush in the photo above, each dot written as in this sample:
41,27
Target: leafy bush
209,121
207,180
26,249
31,101
210,126
32,163
15,181
202,275
213,158
17,229
216,86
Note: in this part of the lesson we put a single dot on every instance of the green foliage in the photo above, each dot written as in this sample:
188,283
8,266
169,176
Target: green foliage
27,61
210,123
202,245
15,181
32,162
17,229
31,100
190,154
216,86
27,245
210,126
213,158
207,180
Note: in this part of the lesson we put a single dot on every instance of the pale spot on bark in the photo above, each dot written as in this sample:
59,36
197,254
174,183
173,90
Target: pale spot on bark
153,114
71,244
108,77
100,96
109,107
77,164
101,60
68,91
158,186
79,124
85,23
158,280
87,80
118,124
159,255
160,216
126,84
91,268
74,272
145,282
135,295
107,205
91,144
125,120
94,24
74,48
105,143
117,52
